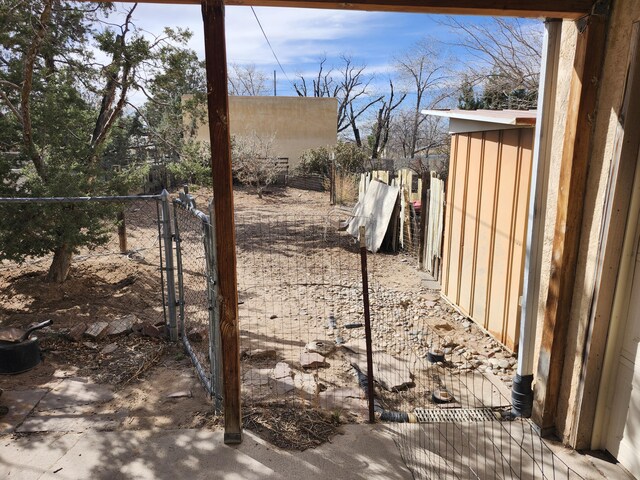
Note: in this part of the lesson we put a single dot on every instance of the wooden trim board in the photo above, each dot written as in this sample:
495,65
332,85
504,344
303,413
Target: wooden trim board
570,9
576,152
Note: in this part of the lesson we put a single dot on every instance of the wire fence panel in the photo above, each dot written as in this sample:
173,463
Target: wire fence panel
197,292
300,303
454,421
303,346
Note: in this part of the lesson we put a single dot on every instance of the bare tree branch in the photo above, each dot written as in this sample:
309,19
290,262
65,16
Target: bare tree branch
121,62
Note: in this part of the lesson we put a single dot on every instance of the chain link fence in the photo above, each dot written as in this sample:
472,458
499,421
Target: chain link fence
197,292
114,286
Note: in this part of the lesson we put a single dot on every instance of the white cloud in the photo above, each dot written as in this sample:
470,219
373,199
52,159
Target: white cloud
297,35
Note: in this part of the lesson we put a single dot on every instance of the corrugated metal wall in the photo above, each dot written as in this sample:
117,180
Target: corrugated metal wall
485,227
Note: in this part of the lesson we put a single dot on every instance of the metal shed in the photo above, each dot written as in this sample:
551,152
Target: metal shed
486,216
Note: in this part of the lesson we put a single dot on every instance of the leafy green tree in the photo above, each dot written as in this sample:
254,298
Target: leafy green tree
315,161
193,166
175,105
58,110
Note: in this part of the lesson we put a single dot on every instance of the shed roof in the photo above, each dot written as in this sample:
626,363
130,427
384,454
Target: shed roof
503,117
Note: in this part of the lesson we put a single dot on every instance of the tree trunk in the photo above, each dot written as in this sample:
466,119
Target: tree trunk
60,265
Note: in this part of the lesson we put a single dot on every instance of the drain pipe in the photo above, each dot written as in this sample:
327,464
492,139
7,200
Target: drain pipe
522,392
384,415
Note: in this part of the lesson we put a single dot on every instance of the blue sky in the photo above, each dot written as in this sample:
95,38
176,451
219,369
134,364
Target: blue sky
300,37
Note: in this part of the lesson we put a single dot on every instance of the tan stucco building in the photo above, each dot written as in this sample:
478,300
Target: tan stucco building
297,123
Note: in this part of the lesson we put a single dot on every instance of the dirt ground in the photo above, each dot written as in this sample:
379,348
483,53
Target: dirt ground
294,271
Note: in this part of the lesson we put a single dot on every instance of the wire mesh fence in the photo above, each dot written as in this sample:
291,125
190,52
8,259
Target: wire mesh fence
302,330
303,347
300,302
453,420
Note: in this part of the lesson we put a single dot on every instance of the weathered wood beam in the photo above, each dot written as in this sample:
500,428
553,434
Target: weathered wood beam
576,151
218,109
571,9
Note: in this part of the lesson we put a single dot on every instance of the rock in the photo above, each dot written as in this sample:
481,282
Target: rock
263,354
112,347
256,377
320,346
504,363
282,370
153,331
181,394
312,360
97,330
273,317
281,386
76,332
307,383
196,334
122,325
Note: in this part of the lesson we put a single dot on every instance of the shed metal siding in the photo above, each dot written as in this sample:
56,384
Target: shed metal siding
485,232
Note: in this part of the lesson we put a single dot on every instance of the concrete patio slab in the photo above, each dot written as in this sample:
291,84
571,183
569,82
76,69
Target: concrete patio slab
72,392
20,403
79,418
361,452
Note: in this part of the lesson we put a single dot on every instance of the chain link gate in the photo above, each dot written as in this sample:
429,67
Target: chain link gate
198,318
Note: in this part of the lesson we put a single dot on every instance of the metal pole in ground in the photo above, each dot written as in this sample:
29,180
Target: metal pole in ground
168,262
215,343
367,322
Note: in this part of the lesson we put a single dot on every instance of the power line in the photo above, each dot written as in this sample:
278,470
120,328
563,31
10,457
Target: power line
272,50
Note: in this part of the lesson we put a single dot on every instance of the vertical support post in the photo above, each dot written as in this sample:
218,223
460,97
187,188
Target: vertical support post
522,394
576,153
168,262
180,298
160,256
367,322
215,356
122,231
332,181
424,216
218,112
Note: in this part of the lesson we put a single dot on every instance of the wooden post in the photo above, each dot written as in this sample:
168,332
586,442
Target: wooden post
218,108
332,182
424,217
122,231
576,152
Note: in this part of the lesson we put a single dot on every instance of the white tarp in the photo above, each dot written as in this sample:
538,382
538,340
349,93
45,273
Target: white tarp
374,212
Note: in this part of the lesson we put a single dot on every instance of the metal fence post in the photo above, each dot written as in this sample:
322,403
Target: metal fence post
180,299
367,323
168,252
215,342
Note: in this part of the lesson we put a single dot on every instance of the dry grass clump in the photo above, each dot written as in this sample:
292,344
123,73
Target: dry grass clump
291,427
